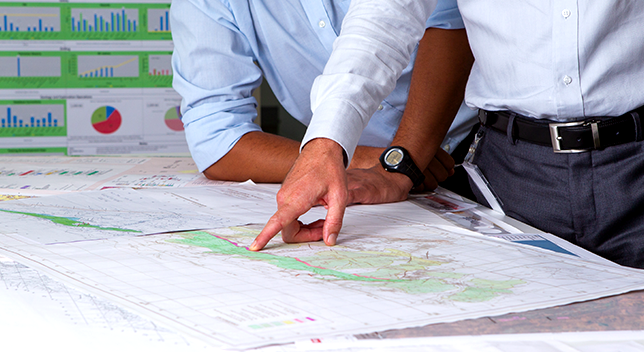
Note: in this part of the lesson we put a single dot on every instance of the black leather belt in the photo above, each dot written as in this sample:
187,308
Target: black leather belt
569,137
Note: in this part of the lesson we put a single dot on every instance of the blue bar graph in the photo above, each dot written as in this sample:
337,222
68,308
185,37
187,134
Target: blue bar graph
12,121
108,66
163,22
104,20
100,72
26,65
29,19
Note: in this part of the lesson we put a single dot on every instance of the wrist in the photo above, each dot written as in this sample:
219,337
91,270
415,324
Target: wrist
366,157
401,181
324,148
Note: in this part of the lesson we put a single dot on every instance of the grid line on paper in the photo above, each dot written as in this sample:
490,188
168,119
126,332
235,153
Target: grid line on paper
224,298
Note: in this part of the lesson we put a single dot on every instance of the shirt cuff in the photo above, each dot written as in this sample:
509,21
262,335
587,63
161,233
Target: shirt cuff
346,132
212,134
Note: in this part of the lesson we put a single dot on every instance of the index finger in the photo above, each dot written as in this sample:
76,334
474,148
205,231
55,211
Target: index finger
333,221
282,217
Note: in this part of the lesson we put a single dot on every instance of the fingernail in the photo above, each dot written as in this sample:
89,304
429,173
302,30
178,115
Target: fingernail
252,245
332,238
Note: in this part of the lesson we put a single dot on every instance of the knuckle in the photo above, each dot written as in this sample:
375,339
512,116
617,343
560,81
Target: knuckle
281,197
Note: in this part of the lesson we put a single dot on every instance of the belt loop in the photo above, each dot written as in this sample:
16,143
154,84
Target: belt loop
483,117
638,125
510,128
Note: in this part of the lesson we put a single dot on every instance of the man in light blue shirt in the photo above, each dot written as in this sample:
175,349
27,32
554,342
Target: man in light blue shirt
224,48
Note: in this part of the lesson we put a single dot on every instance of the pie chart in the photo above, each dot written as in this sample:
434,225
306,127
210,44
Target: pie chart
173,119
106,119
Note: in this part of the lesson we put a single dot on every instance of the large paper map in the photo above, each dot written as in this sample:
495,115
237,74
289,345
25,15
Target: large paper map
94,215
207,284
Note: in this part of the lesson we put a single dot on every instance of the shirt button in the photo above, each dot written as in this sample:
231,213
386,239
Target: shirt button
380,107
566,13
567,80
322,24
446,148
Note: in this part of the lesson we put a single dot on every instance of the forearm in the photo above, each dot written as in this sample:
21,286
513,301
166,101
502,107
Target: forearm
365,157
259,156
264,157
437,89
366,62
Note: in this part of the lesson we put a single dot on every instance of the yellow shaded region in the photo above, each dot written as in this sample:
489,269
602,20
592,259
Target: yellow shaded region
4,197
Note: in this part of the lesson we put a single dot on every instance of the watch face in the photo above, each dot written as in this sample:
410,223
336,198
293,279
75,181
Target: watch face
394,157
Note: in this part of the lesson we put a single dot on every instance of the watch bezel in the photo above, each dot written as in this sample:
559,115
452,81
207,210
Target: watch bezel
405,165
392,150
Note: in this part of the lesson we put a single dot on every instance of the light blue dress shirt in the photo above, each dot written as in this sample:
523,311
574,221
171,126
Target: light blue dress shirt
223,49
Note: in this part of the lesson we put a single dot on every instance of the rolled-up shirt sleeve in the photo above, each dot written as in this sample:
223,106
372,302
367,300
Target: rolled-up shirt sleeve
375,45
215,73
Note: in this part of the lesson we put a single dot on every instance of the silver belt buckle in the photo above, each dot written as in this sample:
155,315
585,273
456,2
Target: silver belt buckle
556,138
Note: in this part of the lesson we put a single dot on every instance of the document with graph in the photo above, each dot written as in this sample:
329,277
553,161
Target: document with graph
88,78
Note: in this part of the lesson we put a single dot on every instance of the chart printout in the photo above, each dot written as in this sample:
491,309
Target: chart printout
208,285
88,78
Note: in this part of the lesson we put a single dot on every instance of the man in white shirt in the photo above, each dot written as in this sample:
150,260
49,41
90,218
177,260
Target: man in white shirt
538,64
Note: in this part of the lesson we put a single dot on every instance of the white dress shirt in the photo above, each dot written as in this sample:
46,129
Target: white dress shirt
560,60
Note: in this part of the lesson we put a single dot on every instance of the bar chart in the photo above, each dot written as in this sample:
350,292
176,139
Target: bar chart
30,66
103,66
158,20
30,116
104,20
29,19
160,65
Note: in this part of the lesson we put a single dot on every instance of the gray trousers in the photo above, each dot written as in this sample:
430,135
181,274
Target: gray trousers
593,199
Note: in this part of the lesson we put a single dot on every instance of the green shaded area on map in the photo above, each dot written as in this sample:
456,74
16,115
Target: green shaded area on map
390,269
68,221
485,290
221,245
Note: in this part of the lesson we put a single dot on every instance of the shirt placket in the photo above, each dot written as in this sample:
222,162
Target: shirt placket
320,22
565,32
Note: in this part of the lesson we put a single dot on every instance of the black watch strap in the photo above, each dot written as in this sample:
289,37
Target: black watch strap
397,159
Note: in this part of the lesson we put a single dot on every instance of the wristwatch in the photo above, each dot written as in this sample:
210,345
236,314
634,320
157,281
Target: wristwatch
397,159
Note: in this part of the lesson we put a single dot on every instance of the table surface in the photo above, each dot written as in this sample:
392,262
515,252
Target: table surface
622,312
